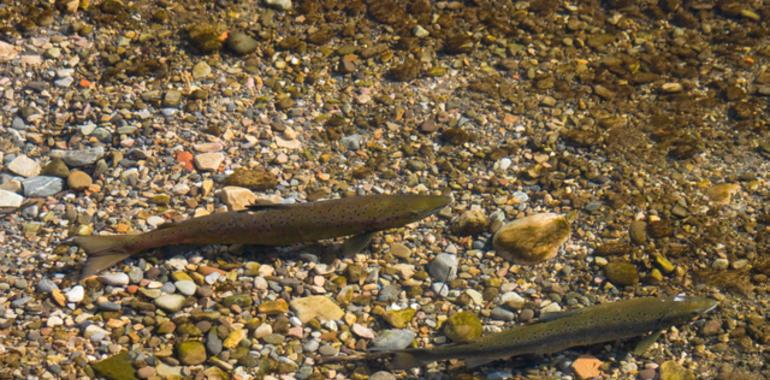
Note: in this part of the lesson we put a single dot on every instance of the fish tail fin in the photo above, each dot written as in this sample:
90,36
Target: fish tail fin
104,251
405,360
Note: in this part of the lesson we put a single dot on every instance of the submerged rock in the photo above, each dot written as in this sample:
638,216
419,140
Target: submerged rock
532,239
308,308
117,367
463,327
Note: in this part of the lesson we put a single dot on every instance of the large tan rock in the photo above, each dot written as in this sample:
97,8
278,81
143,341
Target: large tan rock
533,239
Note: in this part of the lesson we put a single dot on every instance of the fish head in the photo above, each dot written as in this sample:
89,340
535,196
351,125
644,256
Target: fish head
683,308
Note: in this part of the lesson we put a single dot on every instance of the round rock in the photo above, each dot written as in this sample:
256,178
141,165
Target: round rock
532,239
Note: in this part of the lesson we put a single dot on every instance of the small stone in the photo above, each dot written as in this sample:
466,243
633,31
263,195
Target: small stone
283,5
420,32
186,287
114,279
201,70
587,367
382,375
235,337
145,372
621,273
241,43
209,161
308,308
672,87
191,352
242,300
78,180
213,342
400,318
76,294
117,367
362,331
400,250
42,186
170,302
95,333
77,158
256,178
8,51
532,239
24,166
720,264
46,285
443,267
237,198
471,222
637,231
712,327
722,194
502,314
671,370
278,306
10,200
56,168
512,300
390,340
172,98
463,327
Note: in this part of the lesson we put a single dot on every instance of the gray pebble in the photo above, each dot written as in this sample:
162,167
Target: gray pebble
389,293
311,346
81,157
382,375
46,285
352,142
502,314
393,340
42,186
443,267
328,350
213,342
305,372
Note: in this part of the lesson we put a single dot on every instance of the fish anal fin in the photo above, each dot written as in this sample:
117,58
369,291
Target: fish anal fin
96,264
646,342
477,361
356,244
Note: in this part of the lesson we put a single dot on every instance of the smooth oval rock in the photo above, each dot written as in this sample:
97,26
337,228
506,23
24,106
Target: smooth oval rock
463,327
10,199
170,302
191,352
621,273
78,180
241,43
533,239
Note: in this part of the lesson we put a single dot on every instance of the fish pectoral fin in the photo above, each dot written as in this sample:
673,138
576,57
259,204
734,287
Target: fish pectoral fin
266,206
478,361
355,244
646,342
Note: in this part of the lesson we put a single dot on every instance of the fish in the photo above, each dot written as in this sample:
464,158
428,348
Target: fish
269,225
602,323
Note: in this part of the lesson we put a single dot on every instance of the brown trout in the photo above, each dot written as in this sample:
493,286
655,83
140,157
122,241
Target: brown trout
270,225
591,325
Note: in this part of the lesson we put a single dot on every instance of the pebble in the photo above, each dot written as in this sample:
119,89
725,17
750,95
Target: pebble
10,199
241,43
502,314
64,82
637,231
237,198
191,352
671,370
471,222
308,308
186,287
283,5
328,350
532,239
213,342
8,52
76,294
95,333
114,278
42,186
463,327
145,372
168,372
512,300
172,98
24,166
587,367
389,340
77,158
79,180
201,70
443,267
208,161
46,285
720,264
170,302
621,273
56,168
362,331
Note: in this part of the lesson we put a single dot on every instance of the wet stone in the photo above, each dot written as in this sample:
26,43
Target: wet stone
42,186
393,339
463,327
621,273
443,267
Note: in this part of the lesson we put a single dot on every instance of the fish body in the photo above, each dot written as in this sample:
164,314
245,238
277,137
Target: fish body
270,225
592,325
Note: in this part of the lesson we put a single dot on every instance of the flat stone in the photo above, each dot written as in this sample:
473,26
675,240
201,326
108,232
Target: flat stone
463,327
9,52
209,161
191,352
56,168
241,43
362,331
95,333
172,98
201,70
283,5
76,294
308,308
79,180
114,279
42,186
587,367
443,267
81,157
186,287
24,166
532,239
117,367
237,198
10,199
671,370
168,372
390,340
170,302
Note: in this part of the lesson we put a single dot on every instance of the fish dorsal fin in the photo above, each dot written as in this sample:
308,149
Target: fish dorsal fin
267,206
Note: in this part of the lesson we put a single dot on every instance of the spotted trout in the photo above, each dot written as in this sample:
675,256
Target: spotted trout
591,325
270,225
